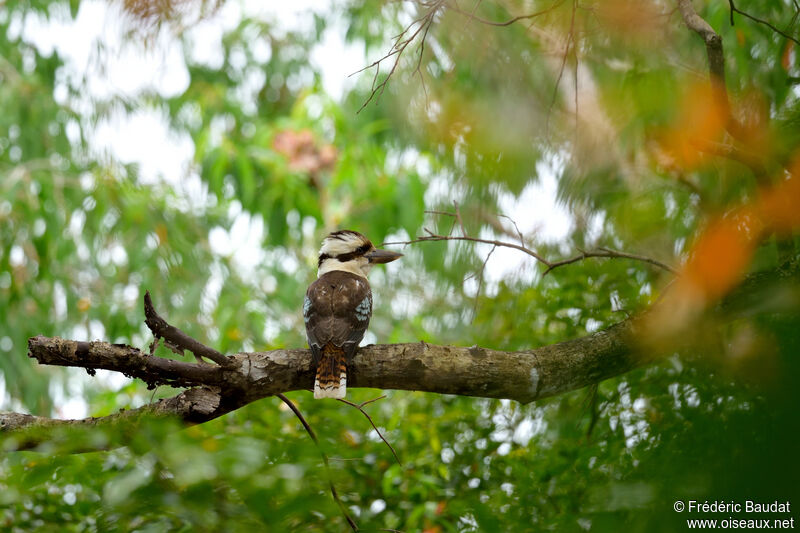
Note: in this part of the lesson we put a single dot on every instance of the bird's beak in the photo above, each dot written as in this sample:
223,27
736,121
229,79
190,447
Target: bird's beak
382,256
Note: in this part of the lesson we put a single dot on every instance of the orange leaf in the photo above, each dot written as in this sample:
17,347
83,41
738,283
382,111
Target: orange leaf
161,232
701,119
778,206
84,304
721,255
786,57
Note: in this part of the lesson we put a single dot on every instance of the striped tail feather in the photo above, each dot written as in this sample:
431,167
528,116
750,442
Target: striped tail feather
331,381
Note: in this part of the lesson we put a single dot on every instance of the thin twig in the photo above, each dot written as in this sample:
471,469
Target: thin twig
401,42
434,237
575,75
367,402
418,69
570,41
472,13
735,9
480,282
313,436
551,265
509,22
514,222
360,407
607,253
443,213
460,221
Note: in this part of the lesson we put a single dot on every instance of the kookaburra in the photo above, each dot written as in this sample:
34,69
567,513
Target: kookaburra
338,306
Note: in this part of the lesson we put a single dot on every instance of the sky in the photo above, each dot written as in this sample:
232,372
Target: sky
98,59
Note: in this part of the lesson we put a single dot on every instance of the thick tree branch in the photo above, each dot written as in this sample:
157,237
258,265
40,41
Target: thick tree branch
716,57
524,375
193,406
716,62
469,371
122,358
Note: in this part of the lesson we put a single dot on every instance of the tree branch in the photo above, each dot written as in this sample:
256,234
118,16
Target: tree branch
360,407
128,360
472,371
716,62
735,9
607,253
598,253
177,338
401,42
509,22
524,375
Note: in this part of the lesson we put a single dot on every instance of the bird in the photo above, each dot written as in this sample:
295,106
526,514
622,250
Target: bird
338,305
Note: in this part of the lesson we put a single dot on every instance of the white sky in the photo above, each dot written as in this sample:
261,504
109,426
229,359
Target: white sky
100,60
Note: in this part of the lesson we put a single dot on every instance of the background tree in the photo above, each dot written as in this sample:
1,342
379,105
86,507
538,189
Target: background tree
483,105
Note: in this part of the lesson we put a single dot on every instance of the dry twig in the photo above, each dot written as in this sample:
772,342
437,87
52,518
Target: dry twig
766,23
401,42
509,22
567,48
551,265
360,407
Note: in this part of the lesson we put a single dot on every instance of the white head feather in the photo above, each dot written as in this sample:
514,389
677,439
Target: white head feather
340,243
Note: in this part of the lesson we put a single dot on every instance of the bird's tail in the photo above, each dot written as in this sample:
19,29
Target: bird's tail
331,379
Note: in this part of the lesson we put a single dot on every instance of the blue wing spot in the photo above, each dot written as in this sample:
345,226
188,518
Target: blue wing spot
306,309
364,309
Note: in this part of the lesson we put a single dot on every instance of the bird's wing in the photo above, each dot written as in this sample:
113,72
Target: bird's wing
336,310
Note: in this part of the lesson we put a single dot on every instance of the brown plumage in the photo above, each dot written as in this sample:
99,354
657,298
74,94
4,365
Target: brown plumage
337,313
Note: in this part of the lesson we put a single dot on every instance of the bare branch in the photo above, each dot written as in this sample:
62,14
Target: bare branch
716,58
524,376
193,406
599,253
716,62
399,46
570,42
122,358
460,221
605,252
519,233
471,15
178,338
433,237
766,23
480,282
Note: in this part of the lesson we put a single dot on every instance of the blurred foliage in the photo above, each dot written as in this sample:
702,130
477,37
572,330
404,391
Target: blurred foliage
608,100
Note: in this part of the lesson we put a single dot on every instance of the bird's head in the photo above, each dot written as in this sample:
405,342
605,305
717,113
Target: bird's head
352,252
